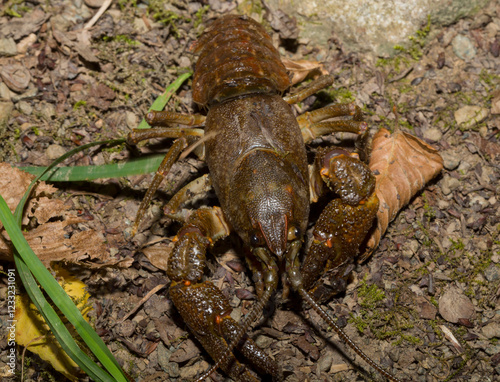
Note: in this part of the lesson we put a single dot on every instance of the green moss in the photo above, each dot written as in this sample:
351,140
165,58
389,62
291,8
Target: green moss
121,38
199,15
166,17
79,104
407,55
341,95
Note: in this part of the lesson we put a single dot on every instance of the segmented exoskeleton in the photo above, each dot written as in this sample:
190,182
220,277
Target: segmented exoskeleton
256,155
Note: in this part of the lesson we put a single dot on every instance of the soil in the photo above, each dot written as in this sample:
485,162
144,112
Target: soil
442,251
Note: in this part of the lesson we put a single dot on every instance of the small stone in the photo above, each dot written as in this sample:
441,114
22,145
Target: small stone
449,184
16,77
131,120
25,43
492,273
263,341
427,311
24,107
463,47
495,105
5,92
6,109
127,328
483,203
94,3
492,330
451,160
184,62
454,305
47,110
469,116
55,151
189,373
8,47
325,362
433,134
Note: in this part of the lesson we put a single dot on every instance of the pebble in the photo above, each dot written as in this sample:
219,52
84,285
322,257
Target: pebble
483,203
492,330
469,116
454,305
6,109
55,151
492,273
450,159
47,110
463,47
263,341
433,134
7,47
449,184
325,362
24,107
5,92
131,120
16,77
25,43
127,328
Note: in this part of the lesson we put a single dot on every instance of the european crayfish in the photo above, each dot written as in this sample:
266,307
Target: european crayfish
255,150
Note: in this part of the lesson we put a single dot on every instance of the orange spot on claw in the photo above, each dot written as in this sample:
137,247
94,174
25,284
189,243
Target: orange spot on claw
329,243
218,319
187,283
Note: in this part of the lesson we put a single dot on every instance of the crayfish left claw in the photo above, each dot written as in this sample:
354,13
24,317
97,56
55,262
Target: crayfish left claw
207,313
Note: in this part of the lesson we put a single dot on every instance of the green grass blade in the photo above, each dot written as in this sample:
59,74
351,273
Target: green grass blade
163,99
139,166
60,299
58,329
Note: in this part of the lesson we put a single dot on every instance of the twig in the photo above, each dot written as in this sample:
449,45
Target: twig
99,13
144,299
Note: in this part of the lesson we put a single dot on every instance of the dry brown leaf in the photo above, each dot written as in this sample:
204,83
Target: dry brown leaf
303,69
402,165
52,239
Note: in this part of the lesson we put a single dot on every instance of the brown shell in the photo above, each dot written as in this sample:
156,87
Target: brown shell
236,57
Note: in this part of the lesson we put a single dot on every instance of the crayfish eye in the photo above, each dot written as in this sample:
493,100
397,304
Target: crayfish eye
256,240
293,233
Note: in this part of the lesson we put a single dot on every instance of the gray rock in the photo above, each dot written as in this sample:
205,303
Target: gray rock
450,159
463,47
371,26
492,273
449,184
454,305
24,107
6,109
492,330
55,151
469,116
8,47
433,134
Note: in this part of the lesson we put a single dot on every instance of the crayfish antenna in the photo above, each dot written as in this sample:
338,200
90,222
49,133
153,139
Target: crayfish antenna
308,298
271,282
295,278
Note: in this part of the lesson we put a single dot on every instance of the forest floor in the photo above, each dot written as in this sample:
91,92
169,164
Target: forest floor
69,88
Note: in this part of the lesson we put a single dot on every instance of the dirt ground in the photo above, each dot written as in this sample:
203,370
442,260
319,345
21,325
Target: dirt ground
70,88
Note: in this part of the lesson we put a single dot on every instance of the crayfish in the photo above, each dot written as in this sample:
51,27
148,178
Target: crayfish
255,150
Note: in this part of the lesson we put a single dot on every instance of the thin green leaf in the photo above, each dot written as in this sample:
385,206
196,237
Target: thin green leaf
139,166
163,99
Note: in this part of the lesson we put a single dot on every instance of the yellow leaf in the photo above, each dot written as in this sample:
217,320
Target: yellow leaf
32,331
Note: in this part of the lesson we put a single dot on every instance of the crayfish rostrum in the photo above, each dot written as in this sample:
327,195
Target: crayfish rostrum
256,155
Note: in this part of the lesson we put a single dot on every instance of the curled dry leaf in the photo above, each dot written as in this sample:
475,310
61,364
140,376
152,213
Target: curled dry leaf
53,237
302,69
402,165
